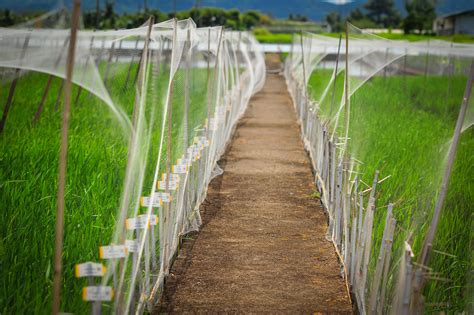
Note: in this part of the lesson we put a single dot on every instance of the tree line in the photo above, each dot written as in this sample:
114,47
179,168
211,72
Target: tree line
108,18
383,14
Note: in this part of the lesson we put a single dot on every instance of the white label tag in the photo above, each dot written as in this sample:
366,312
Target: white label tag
113,252
173,177
189,152
165,197
146,201
220,112
97,293
141,222
203,141
90,269
213,125
180,169
196,152
172,185
184,161
132,246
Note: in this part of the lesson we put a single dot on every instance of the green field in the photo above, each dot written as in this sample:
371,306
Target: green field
284,38
402,125
97,159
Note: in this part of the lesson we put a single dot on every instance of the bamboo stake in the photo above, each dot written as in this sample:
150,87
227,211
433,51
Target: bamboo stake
167,206
13,86
60,93
48,85
78,95
130,158
374,292
305,88
186,92
127,78
335,76
388,253
428,242
107,67
346,90
209,101
63,161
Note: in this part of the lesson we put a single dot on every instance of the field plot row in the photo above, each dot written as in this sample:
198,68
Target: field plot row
384,123
152,109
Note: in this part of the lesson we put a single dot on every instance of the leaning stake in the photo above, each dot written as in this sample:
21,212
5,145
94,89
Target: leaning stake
428,243
58,244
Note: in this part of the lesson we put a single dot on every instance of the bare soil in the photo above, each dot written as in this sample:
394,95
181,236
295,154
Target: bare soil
262,248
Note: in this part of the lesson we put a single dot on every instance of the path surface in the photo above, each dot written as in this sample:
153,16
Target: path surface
262,248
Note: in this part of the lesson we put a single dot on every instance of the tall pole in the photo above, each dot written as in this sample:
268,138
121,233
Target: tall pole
305,88
346,89
335,76
58,244
428,243
13,85
97,13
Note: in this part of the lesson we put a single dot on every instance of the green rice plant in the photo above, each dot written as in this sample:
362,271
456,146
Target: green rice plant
402,126
97,158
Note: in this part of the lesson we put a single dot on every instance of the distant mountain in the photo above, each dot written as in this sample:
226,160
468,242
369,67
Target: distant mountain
314,9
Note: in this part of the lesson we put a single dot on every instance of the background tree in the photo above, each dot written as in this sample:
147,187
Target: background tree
6,19
421,14
360,19
335,22
383,13
251,19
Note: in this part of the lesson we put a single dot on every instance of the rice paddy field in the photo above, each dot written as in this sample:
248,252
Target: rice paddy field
97,158
402,125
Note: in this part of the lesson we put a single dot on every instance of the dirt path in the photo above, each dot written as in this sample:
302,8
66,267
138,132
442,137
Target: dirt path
262,248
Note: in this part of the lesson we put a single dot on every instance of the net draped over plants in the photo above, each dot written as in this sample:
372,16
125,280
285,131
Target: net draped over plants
379,126
152,110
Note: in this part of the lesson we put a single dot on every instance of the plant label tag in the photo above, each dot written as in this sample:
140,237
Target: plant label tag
89,269
97,293
113,252
173,177
180,169
172,184
185,161
213,124
147,201
220,112
165,197
196,153
141,222
132,246
203,141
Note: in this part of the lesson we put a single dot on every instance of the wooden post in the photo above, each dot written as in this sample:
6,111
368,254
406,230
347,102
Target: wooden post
60,93
79,90
209,101
136,113
63,161
450,79
127,78
107,67
305,88
13,86
167,206
48,85
347,111
186,91
388,254
335,76
423,259
374,292
211,92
